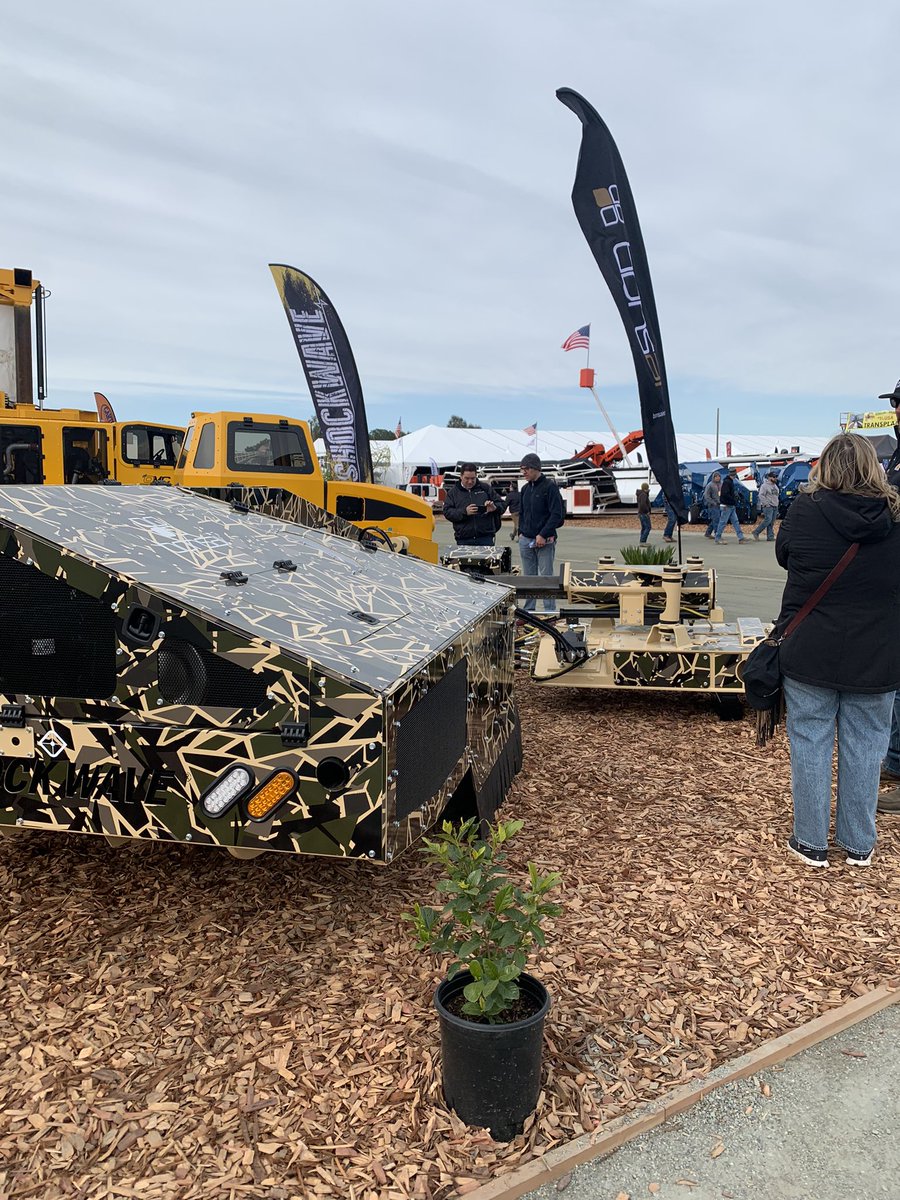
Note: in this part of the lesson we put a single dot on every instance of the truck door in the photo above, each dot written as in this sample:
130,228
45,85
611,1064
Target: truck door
84,454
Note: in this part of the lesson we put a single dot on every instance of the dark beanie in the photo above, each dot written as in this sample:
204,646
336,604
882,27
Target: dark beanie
531,460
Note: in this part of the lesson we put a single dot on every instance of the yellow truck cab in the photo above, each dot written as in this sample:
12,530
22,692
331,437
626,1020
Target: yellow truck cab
70,445
226,448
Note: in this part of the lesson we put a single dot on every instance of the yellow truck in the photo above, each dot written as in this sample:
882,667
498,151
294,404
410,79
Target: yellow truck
257,450
68,445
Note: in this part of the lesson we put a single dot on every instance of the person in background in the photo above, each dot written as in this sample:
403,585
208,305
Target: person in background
768,506
711,503
473,508
841,665
670,521
889,802
728,502
643,507
542,513
514,507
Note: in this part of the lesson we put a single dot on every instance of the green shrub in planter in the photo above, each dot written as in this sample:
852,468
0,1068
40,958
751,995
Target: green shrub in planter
489,923
647,556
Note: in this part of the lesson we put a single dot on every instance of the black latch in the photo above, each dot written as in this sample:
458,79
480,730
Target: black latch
293,733
367,617
284,564
234,577
140,625
13,715
248,420
237,506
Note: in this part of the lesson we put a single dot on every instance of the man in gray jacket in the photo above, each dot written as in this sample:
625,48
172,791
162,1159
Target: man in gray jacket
711,503
768,507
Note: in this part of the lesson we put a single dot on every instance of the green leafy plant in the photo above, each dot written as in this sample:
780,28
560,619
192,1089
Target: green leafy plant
487,922
647,556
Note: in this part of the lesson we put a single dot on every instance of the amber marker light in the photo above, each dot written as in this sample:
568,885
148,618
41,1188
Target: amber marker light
267,798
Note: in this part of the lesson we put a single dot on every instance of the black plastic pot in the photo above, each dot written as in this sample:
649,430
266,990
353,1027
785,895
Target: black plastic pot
492,1073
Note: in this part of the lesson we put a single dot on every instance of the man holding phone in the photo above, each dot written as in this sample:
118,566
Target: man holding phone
473,508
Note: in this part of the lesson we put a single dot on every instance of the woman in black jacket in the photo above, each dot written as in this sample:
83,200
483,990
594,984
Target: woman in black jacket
841,664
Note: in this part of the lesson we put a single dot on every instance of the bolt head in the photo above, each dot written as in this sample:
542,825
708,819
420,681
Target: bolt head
371,854
19,820
188,837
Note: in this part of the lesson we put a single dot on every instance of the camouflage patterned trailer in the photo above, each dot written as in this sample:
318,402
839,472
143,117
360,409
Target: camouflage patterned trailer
175,667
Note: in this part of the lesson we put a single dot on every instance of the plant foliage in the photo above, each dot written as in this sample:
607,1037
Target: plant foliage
487,922
647,556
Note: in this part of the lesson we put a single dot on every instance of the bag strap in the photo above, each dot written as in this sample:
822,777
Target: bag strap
820,591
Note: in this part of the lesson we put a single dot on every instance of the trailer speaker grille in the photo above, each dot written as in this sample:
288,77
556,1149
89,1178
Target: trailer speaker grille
54,640
430,740
191,675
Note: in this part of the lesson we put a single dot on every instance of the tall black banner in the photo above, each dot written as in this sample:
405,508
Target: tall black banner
604,206
330,371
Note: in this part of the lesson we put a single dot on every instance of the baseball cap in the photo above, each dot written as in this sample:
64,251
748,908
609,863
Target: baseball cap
531,460
893,396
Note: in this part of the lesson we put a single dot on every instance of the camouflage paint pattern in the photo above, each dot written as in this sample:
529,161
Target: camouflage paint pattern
345,646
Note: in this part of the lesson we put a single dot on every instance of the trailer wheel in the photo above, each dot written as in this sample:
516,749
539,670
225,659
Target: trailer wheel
729,708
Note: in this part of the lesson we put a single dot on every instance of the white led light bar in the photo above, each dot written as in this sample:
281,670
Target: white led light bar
222,795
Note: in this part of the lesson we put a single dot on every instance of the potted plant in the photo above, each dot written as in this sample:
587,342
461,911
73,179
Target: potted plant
491,1012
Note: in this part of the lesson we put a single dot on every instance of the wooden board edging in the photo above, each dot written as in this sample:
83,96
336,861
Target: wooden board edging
582,1149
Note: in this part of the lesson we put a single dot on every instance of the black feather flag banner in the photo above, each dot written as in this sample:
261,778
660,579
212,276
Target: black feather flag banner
330,370
605,209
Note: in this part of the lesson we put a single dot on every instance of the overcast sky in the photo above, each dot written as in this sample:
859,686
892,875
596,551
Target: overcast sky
413,159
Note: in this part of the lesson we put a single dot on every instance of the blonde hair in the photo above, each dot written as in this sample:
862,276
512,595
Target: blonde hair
849,464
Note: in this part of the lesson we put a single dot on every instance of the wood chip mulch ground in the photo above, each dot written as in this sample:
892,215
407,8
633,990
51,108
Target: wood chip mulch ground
180,1025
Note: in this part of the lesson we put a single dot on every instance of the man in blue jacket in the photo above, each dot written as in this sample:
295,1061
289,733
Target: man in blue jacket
542,514
727,512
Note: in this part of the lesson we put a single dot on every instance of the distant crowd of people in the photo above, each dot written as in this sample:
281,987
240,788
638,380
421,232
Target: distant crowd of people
841,663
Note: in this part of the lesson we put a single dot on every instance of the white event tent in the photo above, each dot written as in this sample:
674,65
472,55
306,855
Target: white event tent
397,461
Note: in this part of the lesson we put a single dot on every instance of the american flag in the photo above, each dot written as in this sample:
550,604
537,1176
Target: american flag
530,430
398,432
579,340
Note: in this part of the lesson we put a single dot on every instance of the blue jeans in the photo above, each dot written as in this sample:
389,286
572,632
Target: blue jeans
712,517
892,758
767,523
646,526
670,523
727,514
863,728
537,560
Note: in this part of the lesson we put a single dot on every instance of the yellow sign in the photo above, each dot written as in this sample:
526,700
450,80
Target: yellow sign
869,420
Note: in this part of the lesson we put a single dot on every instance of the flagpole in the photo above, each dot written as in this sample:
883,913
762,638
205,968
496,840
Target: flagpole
612,428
